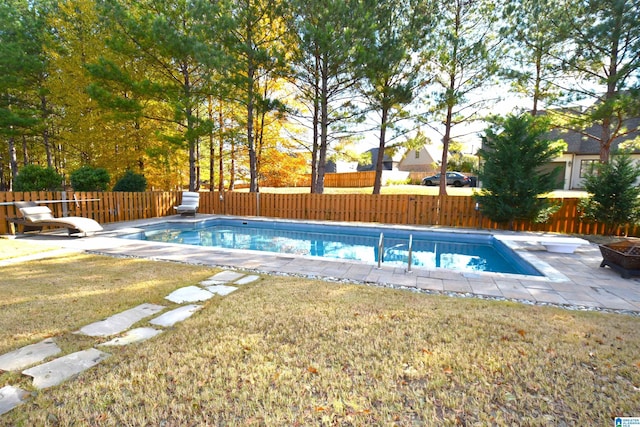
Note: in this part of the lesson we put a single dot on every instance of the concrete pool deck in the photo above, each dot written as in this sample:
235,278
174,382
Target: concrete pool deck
573,280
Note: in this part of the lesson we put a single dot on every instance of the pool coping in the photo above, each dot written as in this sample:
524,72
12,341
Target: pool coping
574,280
511,240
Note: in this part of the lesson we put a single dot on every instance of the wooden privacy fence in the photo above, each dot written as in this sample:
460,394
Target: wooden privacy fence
343,179
405,209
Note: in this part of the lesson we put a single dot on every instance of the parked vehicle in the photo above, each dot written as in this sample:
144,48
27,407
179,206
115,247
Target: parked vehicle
453,178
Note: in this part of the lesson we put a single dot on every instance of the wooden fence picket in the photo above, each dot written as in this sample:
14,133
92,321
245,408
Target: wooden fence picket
449,211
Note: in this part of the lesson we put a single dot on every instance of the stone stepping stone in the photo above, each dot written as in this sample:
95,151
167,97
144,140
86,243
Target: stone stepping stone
221,289
133,336
246,280
189,294
120,322
10,397
172,317
55,372
222,278
28,355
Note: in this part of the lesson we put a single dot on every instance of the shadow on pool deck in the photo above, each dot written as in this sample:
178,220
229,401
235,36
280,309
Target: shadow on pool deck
581,282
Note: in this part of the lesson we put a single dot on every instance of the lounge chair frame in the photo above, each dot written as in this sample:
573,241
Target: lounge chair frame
37,219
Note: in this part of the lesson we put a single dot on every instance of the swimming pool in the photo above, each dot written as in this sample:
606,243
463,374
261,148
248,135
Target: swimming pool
470,252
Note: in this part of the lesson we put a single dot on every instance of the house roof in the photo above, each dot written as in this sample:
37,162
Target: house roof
579,143
386,160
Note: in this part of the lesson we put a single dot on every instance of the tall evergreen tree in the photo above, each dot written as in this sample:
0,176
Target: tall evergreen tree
22,69
387,55
535,31
255,39
614,197
514,149
463,54
603,59
328,33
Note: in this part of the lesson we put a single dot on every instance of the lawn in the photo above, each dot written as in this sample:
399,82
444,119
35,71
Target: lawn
292,351
401,189
10,248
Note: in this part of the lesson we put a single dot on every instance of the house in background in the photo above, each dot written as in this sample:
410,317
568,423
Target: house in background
388,163
582,153
421,160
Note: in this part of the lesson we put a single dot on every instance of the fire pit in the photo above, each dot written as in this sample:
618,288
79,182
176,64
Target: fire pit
622,256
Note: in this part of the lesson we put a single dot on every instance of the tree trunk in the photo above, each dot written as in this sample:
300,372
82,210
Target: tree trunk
13,160
191,139
220,152
212,147
192,152
445,149
324,129
45,131
253,163
316,123
25,151
253,186
377,184
538,81
232,165
612,80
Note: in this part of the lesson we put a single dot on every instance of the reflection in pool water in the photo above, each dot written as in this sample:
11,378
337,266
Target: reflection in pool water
462,252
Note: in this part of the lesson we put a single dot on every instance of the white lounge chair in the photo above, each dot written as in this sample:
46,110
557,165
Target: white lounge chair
35,217
190,203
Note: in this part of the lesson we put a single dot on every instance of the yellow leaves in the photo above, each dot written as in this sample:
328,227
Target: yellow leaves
342,407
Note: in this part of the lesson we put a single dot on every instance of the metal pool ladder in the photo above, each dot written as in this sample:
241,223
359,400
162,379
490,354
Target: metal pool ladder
381,252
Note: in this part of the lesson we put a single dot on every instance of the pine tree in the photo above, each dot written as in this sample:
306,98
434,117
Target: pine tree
614,196
514,149
328,33
388,61
462,53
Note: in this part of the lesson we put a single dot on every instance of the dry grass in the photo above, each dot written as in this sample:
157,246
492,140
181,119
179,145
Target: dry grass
10,248
401,189
391,189
288,351
54,296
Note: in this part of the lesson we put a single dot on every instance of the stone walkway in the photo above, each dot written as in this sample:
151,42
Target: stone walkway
29,359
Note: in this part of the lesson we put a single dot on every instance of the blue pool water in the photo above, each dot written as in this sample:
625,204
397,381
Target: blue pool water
431,249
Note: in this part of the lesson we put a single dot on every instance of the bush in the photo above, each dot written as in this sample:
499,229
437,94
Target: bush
405,181
90,179
131,181
37,178
513,151
613,193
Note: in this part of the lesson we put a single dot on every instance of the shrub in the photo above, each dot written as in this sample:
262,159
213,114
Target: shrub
513,151
37,178
613,199
131,181
404,181
90,179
